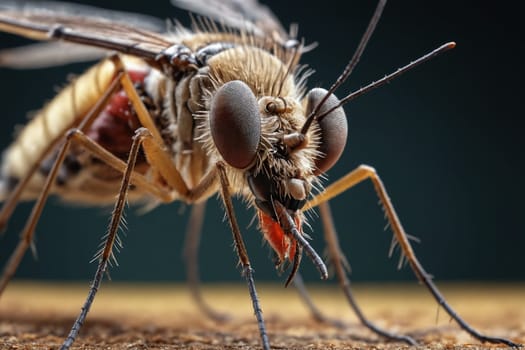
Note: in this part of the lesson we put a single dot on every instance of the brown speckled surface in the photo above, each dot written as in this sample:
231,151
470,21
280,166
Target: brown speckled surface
130,316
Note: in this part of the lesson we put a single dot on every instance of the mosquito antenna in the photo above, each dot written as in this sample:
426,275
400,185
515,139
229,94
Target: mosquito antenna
387,78
350,66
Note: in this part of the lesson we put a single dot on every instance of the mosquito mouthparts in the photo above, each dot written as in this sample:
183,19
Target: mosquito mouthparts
289,227
296,263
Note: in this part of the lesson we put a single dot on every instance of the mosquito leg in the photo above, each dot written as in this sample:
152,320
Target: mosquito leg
26,237
107,251
242,253
120,80
142,113
310,305
14,196
190,253
143,137
337,260
364,172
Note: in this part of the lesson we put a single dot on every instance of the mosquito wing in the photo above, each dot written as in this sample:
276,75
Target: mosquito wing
245,15
129,33
48,54
111,30
20,17
131,19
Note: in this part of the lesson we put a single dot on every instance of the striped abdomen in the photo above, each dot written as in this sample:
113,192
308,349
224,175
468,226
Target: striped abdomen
36,143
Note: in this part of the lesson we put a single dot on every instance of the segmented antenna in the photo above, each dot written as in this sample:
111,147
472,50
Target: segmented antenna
387,78
350,66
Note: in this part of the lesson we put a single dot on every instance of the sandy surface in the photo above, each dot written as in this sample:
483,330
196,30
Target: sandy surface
130,316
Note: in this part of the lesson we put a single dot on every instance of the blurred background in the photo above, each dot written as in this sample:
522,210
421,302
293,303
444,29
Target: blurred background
446,139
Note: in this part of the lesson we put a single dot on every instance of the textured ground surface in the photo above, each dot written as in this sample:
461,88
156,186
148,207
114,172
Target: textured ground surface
38,316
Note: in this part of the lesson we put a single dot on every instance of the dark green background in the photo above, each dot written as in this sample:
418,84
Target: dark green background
446,139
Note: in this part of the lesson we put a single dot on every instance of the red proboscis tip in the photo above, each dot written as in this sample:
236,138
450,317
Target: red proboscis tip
284,245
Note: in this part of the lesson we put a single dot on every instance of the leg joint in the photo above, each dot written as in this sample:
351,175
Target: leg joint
141,133
72,133
117,62
368,169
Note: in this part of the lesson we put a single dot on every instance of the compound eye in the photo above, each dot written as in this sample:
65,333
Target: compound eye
235,124
333,129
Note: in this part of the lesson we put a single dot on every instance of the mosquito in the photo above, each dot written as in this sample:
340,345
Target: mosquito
182,115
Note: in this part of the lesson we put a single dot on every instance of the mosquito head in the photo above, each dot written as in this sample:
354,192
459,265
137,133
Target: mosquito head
276,145
250,134
253,133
